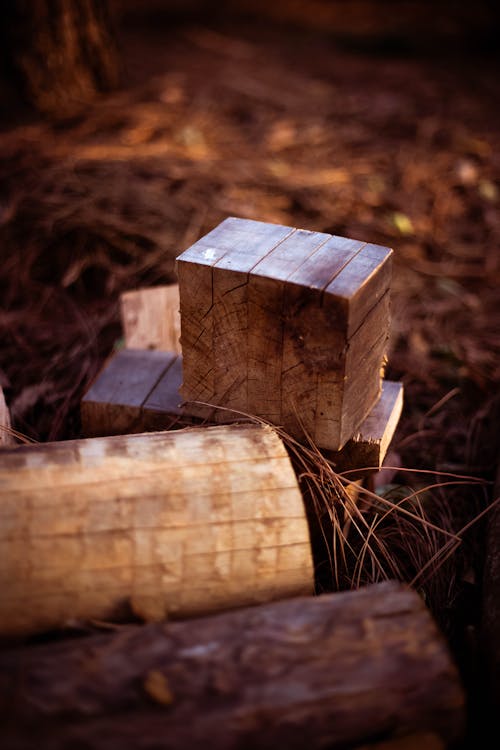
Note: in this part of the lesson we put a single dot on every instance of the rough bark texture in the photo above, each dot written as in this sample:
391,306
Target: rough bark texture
335,671
173,523
64,51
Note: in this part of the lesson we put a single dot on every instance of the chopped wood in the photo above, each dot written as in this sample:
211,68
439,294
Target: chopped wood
284,324
150,318
166,524
338,670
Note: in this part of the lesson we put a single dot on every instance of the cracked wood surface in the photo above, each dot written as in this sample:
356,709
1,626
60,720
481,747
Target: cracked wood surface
110,412
6,437
338,671
173,523
269,315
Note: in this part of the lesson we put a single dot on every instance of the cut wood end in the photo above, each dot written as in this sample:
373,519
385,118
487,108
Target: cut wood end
274,318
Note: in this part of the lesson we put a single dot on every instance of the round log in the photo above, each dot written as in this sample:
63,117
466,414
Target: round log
334,671
164,524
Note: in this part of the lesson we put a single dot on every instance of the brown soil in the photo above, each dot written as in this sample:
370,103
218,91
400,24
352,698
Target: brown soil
284,126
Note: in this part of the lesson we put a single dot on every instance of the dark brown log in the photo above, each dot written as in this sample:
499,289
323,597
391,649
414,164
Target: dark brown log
64,52
337,671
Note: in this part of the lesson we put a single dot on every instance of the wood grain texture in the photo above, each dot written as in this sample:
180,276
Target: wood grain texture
267,312
279,313
196,303
117,401
368,447
151,318
334,671
172,523
163,409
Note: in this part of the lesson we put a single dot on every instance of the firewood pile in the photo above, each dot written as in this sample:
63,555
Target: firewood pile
177,539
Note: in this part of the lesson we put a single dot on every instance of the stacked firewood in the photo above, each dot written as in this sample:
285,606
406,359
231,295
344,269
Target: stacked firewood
177,524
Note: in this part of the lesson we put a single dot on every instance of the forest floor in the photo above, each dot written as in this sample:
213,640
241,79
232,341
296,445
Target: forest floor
283,126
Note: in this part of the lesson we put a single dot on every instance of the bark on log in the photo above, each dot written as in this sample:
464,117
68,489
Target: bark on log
175,523
334,671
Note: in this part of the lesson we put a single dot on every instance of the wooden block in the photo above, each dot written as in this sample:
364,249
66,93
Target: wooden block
122,400
284,324
368,447
6,436
133,394
168,523
151,319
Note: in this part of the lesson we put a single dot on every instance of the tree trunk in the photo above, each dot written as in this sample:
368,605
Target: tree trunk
334,671
64,51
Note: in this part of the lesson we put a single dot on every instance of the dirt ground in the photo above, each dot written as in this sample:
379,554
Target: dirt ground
287,126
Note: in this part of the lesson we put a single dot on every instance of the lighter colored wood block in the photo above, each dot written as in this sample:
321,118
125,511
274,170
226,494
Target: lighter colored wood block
161,408
284,324
6,436
151,319
195,520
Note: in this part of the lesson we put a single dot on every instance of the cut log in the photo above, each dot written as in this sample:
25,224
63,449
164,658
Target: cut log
151,319
6,436
166,524
284,324
334,671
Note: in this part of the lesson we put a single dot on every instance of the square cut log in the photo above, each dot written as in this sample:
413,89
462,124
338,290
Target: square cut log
139,391
284,324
